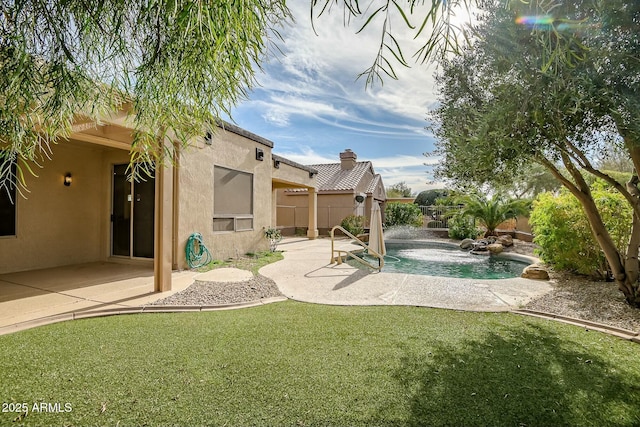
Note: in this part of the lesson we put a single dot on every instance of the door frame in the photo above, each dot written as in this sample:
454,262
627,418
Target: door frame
132,184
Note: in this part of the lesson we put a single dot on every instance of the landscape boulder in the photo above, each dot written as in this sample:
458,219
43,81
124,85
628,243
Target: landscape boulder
505,240
495,248
466,244
535,271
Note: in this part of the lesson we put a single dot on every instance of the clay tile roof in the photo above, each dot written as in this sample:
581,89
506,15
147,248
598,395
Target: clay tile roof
374,183
331,176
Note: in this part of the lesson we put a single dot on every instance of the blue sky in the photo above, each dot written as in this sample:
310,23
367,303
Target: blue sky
310,105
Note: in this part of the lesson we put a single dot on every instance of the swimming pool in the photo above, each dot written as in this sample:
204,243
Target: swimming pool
438,259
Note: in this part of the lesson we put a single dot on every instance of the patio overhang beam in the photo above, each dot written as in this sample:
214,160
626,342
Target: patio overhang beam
100,140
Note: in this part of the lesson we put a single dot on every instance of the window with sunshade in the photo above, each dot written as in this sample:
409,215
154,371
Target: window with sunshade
232,200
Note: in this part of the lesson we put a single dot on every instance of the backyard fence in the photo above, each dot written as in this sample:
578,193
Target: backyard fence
434,217
298,216
437,216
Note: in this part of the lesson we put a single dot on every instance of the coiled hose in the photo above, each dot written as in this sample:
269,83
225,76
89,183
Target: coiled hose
197,253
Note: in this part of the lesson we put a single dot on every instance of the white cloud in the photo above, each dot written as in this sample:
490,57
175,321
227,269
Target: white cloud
278,118
307,156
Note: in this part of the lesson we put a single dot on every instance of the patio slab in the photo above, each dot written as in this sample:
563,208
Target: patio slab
41,294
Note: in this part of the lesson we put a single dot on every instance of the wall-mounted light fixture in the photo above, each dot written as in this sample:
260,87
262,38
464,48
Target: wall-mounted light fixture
208,138
67,179
259,154
311,174
276,164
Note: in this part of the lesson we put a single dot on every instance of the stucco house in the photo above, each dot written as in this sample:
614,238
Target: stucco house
82,208
346,188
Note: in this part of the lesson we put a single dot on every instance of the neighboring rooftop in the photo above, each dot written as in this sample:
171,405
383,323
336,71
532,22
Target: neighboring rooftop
345,176
332,177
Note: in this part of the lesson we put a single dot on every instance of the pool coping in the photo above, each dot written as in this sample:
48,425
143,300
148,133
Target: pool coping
528,259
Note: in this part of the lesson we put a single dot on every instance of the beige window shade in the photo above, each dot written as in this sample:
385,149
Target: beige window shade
232,192
232,200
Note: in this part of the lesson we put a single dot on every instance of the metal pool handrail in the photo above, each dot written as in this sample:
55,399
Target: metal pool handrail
340,252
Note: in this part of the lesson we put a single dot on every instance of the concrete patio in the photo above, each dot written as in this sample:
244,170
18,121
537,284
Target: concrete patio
40,294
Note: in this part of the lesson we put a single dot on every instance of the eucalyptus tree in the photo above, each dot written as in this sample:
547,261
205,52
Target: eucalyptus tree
505,102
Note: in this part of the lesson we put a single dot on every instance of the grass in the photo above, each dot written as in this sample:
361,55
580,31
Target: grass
301,364
250,261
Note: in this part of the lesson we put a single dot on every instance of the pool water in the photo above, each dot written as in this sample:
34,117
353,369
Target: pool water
448,262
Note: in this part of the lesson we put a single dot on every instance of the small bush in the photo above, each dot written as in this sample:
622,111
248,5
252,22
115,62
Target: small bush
462,227
274,236
402,214
354,224
563,233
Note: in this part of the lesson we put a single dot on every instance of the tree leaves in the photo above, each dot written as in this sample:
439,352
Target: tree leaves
181,63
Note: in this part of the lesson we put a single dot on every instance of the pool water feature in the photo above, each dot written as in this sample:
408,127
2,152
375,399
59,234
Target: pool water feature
434,259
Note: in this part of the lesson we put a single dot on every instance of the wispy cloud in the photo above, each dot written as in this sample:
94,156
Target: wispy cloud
321,69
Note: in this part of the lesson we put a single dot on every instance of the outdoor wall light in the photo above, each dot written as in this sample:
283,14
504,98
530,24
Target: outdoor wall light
259,154
276,164
67,179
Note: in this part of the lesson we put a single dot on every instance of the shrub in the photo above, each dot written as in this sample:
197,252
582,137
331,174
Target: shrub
563,233
429,197
274,236
462,227
354,224
402,214
491,212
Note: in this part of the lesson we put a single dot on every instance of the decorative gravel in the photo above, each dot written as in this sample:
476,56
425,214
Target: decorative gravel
582,298
217,293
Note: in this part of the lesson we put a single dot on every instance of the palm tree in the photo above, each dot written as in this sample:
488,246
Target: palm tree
491,212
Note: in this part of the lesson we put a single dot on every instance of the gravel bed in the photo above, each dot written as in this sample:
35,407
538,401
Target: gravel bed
215,293
582,298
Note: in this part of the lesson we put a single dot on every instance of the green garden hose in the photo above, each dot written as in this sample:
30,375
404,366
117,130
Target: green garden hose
197,253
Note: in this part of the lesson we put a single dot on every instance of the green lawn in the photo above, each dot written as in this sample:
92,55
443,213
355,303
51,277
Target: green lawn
301,364
250,261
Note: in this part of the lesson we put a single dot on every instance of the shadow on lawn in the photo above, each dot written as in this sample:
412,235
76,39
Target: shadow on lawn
514,377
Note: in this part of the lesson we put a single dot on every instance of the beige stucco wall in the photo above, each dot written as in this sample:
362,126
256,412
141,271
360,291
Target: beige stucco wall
289,174
195,194
332,208
58,225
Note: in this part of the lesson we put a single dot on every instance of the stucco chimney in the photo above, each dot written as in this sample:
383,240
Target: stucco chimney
348,159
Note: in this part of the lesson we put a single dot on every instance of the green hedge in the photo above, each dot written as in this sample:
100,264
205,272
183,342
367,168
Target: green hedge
402,214
354,224
563,233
